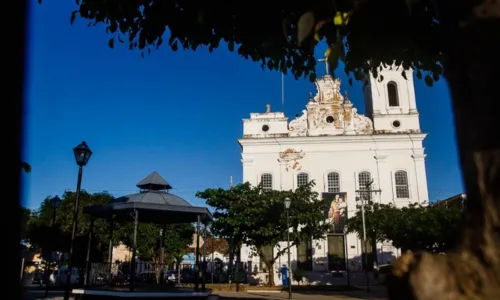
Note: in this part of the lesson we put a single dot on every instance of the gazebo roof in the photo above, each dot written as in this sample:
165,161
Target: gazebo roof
154,205
154,182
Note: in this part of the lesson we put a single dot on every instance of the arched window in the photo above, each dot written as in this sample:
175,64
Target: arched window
333,182
401,181
364,179
392,93
267,181
302,179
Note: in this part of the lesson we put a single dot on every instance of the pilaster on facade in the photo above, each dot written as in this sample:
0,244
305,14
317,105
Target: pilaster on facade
419,157
247,162
381,158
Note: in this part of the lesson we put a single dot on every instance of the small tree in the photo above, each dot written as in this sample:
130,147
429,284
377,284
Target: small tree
43,234
177,238
258,216
415,227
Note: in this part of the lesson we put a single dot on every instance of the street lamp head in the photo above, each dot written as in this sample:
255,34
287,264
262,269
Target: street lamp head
56,202
82,154
288,201
463,196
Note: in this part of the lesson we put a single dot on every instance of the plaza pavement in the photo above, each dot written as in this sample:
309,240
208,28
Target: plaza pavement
376,293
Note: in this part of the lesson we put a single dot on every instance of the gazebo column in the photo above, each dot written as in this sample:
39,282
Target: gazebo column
88,265
162,255
197,257
134,251
204,268
110,250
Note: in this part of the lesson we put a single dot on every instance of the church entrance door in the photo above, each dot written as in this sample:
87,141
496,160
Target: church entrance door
336,252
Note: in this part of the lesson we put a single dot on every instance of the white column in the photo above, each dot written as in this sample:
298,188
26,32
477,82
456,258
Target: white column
420,178
411,93
384,179
248,174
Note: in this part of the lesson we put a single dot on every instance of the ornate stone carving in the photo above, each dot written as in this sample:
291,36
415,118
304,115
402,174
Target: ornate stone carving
291,157
298,126
362,124
329,113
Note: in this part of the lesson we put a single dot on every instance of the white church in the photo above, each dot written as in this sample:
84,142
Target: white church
346,154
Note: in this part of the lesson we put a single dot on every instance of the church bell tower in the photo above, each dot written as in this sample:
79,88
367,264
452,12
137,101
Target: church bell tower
390,102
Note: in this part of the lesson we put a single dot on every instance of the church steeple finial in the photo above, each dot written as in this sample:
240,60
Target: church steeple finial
325,60
268,108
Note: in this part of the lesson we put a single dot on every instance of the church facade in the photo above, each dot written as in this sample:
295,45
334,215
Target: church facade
350,156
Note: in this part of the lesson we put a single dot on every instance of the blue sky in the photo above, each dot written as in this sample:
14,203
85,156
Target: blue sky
178,113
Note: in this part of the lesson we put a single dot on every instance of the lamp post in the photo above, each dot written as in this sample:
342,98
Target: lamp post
82,154
366,194
55,203
365,260
288,201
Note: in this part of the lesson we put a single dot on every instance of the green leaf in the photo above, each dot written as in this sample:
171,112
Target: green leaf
111,43
174,45
73,16
26,167
312,77
428,80
419,74
305,26
403,74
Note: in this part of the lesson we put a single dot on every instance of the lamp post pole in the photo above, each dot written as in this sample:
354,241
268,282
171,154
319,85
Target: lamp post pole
82,155
287,208
365,261
73,233
365,194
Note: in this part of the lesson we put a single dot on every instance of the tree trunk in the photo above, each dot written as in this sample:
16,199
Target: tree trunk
270,273
231,259
179,261
472,68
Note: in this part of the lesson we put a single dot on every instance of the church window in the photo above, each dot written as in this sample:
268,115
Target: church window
392,92
329,119
265,128
302,179
267,181
396,124
401,180
364,179
333,181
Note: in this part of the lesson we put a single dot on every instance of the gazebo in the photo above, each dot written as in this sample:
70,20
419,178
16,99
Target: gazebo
152,204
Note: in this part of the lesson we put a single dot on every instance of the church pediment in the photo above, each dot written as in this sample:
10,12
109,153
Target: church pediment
329,113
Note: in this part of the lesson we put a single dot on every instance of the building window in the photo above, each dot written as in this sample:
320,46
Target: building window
267,181
392,93
304,255
268,254
333,181
302,179
401,180
364,179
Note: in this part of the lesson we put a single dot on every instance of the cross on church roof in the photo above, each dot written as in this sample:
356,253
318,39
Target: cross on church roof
325,60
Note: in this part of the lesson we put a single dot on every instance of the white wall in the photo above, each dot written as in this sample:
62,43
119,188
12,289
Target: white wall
381,155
